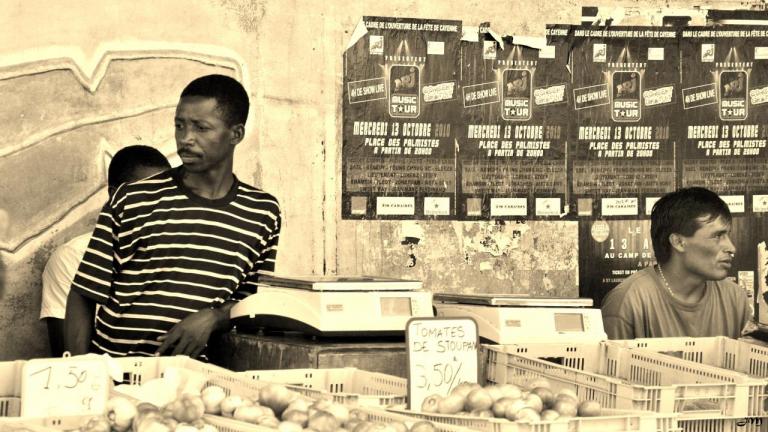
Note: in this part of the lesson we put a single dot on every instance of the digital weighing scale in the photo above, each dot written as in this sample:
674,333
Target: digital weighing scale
333,306
509,319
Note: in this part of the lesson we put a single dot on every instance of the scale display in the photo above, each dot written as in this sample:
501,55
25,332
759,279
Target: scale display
569,322
396,306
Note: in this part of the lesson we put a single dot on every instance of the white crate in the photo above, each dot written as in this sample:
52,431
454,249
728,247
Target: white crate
350,386
611,421
637,379
371,413
719,351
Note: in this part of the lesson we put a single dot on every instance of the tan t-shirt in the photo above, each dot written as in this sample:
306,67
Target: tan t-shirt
641,307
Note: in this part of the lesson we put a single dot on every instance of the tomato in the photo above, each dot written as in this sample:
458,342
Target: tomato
187,408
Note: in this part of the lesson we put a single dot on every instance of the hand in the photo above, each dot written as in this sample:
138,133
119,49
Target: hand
190,335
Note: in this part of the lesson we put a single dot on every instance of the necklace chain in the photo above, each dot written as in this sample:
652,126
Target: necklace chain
666,284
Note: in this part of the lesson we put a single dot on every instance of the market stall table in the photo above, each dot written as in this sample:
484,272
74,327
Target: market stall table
289,350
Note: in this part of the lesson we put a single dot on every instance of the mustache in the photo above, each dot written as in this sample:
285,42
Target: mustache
186,152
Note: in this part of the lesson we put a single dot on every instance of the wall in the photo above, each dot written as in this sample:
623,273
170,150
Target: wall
80,79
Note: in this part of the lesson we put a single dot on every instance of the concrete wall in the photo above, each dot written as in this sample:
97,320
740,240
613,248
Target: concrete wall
80,79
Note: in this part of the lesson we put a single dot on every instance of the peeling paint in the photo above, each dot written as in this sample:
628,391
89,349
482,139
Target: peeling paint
454,259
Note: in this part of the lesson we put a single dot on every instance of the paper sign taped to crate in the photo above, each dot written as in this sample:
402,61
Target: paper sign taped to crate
64,386
442,353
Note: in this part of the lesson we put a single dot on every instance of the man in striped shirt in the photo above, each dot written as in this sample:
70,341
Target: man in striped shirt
130,163
172,253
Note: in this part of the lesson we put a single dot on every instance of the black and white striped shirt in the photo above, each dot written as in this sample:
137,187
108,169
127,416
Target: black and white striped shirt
159,253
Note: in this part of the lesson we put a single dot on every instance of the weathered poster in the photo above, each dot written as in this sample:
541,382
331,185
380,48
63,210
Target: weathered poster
400,114
625,104
514,102
725,101
609,252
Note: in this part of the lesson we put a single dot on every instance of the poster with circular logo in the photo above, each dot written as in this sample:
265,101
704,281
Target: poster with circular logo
609,252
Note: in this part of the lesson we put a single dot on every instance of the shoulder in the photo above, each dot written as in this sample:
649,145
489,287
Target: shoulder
162,181
155,182
729,289
75,246
258,198
68,253
633,288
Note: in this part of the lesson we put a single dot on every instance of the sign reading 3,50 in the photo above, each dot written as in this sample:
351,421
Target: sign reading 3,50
442,374
442,353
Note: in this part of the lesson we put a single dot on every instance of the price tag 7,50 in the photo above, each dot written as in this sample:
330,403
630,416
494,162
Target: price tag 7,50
65,386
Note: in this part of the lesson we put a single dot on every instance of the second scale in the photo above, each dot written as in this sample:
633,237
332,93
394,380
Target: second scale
333,306
509,319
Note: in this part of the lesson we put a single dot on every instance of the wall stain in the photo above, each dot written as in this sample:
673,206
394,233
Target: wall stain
249,13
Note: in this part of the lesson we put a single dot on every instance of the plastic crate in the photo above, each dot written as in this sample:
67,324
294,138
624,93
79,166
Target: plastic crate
612,421
716,351
381,415
374,414
636,379
137,370
350,386
226,424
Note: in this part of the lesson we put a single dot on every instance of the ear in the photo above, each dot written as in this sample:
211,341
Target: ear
238,133
677,242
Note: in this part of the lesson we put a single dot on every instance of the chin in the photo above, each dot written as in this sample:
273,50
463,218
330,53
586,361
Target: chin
718,276
193,168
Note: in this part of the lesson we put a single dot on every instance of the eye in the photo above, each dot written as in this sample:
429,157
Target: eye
178,126
202,128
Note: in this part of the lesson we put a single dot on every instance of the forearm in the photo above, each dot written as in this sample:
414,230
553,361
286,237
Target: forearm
78,323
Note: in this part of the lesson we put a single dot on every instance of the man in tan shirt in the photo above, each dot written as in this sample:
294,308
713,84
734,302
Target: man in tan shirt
686,293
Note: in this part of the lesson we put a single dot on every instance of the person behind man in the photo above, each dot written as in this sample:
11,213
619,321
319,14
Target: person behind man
129,164
172,253
686,293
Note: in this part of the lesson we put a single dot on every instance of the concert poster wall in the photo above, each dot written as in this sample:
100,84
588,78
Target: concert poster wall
724,125
625,103
511,140
399,119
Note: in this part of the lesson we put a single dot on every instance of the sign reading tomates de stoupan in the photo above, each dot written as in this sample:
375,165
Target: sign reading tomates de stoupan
400,114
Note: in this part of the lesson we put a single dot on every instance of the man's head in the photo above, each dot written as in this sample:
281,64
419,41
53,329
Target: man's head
133,163
210,122
693,223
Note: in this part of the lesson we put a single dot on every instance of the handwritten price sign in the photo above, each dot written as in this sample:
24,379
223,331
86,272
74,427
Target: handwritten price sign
64,387
442,353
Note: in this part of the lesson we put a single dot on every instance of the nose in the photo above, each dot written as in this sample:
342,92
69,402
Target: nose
184,135
730,248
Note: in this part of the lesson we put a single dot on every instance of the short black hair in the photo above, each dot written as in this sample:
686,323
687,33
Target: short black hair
125,162
231,97
679,213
